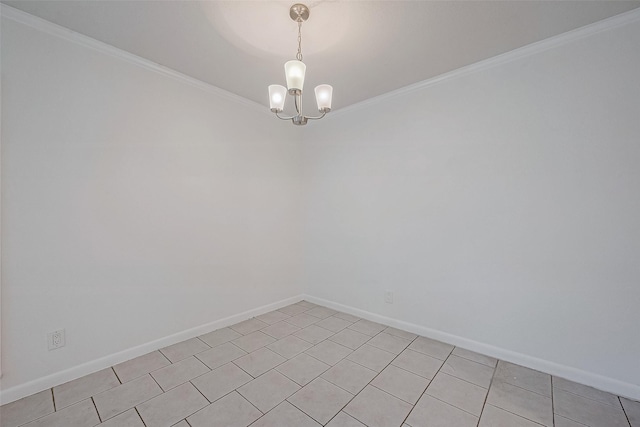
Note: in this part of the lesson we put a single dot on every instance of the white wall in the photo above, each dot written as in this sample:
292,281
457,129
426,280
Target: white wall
135,205
501,206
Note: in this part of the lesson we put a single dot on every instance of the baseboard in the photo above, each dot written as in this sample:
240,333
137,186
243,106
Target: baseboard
611,385
600,382
35,386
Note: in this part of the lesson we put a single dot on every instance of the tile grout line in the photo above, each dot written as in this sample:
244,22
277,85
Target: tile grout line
553,409
265,413
185,418
150,373
344,406
341,388
97,413
205,397
398,397
158,350
159,386
301,386
175,386
311,355
460,409
140,416
312,343
624,411
116,374
308,415
198,338
525,418
384,349
250,403
575,421
488,390
185,358
352,349
413,373
462,379
535,392
589,398
474,361
467,381
240,367
196,387
34,420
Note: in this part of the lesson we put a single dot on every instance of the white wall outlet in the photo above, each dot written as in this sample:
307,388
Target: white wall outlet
388,297
55,339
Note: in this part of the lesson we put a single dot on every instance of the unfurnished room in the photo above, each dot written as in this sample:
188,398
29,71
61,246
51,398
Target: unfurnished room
332,213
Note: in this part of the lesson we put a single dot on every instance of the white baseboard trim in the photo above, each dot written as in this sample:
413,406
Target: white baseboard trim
35,386
611,385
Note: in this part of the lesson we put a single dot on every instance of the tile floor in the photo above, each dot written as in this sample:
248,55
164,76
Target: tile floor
306,365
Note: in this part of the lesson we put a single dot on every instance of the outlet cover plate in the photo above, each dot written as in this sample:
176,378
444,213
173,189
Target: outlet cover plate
56,339
388,297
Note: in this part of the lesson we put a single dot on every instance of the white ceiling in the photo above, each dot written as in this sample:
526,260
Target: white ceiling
362,48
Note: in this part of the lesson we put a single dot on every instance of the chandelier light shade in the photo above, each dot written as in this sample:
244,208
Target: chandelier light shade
324,93
294,72
277,95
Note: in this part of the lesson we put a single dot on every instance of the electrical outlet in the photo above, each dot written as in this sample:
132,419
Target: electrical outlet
388,297
55,339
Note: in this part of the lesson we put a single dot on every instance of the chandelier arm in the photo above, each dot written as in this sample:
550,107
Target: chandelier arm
316,118
284,118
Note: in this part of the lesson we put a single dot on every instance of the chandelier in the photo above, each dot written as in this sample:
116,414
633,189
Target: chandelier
294,71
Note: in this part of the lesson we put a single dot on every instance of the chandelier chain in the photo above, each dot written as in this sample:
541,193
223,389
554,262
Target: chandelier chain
299,54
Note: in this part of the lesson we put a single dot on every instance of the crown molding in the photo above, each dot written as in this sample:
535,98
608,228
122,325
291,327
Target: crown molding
86,41
513,55
607,24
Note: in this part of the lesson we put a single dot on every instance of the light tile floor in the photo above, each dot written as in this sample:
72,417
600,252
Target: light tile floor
307,365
